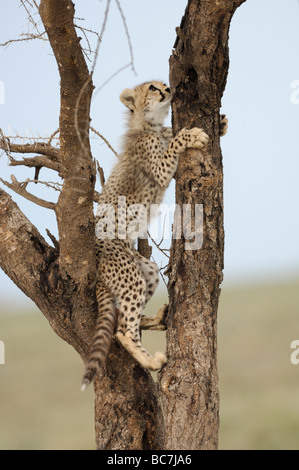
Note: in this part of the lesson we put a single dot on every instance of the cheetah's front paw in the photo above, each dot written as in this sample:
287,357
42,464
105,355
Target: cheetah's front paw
223,125
196,138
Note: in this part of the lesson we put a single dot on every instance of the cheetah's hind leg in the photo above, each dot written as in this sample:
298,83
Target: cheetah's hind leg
150,273
130,308
145,359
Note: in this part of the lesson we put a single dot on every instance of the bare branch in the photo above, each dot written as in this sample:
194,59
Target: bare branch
4,143
52,136
88,51
101,35
50,184
24,3
131,64
35,162
110,78
157,245
21,256
41,148
20,188
27,259
28,36
101,173
128,35
26,137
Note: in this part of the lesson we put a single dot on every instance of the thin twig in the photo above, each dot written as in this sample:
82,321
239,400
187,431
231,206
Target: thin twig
101,173
50,184
52,136
131,64
42,148
105,140
30,17
84,30
127,34
24,137
110,78
160,271
90,76
28,36
163,250
4,143
101,35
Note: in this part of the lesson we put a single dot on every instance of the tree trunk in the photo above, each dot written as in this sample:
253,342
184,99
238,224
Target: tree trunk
127,411
189,382
74,211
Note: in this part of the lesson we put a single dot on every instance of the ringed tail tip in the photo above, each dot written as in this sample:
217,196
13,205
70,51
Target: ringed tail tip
84,385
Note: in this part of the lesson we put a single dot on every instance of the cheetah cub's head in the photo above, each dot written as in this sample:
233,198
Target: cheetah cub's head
148,103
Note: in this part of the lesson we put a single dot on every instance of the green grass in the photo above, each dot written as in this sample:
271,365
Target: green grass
41,406
258,384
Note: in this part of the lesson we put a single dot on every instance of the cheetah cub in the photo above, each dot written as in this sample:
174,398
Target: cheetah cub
127,280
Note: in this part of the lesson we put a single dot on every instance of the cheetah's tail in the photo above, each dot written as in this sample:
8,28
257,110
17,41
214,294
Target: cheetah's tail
102,339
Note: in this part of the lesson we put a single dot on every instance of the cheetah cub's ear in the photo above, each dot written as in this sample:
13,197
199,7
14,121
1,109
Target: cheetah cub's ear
127,97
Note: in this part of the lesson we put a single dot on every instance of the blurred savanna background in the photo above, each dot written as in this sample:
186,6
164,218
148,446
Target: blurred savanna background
41,406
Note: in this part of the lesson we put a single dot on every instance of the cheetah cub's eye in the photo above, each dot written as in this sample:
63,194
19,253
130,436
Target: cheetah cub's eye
153,88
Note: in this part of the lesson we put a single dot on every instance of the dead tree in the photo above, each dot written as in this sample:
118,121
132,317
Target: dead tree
131,411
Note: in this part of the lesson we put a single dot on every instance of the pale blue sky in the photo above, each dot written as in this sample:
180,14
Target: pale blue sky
260,151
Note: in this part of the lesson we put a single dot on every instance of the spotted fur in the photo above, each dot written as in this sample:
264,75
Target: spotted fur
145,168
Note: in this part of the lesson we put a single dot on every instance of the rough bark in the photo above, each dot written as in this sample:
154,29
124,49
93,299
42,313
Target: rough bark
189,382
32,265
127,412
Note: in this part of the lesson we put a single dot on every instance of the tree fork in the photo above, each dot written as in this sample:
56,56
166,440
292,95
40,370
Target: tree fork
61,280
